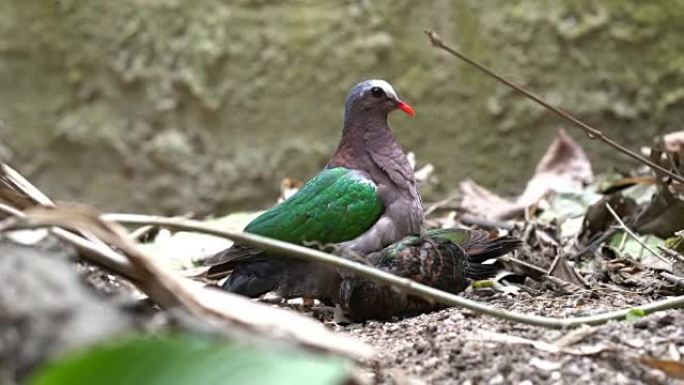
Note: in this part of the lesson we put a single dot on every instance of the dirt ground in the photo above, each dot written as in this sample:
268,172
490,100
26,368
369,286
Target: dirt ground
456,346
459,346
452,346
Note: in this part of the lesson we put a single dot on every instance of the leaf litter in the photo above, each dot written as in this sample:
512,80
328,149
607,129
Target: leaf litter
576,260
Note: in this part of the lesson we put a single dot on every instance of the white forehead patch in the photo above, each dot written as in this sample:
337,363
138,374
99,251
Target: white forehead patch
384,85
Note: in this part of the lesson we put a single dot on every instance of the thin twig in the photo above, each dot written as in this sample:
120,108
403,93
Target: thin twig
675,279
280,248
634,236
671,253
94,252
24,186
591,132
525,265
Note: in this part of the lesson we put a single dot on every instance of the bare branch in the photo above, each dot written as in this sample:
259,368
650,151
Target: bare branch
591,132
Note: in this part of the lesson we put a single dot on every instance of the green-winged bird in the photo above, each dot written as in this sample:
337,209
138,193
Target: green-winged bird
365,199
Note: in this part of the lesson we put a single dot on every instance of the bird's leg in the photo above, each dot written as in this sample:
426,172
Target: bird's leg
425,238
347,251
344,250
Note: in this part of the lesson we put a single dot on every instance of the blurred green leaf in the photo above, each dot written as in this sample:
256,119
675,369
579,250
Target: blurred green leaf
625,244
186,360
635,313
675,243
482,284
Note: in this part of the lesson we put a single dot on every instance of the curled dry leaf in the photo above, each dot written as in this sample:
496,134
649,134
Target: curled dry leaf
562,270
674,369
481,202
563,167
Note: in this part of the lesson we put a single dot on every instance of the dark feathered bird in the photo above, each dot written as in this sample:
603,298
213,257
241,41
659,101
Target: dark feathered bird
446,259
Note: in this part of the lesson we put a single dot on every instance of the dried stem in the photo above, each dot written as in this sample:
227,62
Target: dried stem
591,132
671,253
94,252
280,248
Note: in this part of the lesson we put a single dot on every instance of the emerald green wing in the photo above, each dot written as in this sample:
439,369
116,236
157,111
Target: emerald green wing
462,237
337,205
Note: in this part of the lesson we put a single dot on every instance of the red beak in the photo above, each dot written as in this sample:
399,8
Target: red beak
406,108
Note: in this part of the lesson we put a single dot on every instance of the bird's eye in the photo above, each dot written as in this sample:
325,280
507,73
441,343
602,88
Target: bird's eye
377,92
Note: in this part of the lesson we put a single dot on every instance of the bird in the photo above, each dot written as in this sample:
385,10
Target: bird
364,199
447,259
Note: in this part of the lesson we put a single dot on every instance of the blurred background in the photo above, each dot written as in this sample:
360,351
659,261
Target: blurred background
170,106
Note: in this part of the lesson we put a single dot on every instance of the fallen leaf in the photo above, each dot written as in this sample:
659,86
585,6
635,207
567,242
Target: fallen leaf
486,204
563,167
673,369
564,271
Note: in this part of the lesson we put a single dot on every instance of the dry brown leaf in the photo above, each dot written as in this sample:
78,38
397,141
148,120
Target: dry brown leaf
565,272
674,369
486,204
564,166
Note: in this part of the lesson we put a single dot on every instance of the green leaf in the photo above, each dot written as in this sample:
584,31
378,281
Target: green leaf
189,360
482,284
622,242
635,313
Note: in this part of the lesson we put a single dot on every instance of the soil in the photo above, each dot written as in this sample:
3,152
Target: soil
451,346
456,346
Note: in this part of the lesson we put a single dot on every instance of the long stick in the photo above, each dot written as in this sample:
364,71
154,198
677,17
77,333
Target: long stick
591,132
291,250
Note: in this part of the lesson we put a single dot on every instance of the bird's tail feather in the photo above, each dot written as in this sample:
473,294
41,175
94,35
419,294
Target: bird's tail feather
479,271
491,248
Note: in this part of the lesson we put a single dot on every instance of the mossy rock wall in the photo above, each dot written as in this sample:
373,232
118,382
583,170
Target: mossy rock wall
173,106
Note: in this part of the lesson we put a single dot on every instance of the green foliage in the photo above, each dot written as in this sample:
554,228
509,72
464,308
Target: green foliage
635,313
676,243
627,245
482,284
185,360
